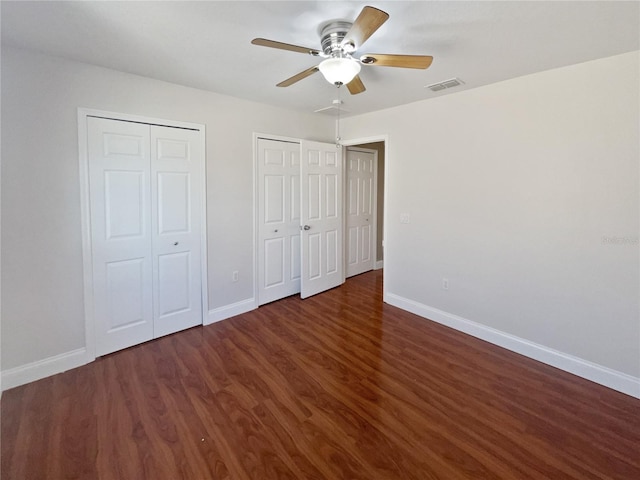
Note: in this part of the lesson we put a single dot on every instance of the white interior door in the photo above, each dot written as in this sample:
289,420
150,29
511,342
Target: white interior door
360,210
145,202
176,158
119,184
321,217
278,181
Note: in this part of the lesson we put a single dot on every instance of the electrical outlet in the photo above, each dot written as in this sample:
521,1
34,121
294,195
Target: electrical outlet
445,284
234,276
405,218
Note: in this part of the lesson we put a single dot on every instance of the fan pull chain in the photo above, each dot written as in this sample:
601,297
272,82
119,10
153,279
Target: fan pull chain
338,120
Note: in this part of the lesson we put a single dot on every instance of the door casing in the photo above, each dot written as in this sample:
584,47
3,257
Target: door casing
374,202
385,219
344,143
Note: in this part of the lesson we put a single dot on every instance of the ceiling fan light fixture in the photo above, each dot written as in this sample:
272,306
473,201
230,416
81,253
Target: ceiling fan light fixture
339,70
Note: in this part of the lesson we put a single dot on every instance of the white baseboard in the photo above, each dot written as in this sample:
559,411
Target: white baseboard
613,379
583,368
379,264
228,311
46,367
31,372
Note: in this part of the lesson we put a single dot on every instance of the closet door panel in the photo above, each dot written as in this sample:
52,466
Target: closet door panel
176,157
119,185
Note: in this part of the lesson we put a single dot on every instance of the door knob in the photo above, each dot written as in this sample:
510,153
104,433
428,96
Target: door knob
175,243
306,227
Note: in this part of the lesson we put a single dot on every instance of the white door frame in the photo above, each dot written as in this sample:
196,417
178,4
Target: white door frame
345,143
83,113
360,141
374,194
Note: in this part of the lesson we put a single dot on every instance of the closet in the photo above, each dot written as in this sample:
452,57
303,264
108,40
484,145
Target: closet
145,206
299,218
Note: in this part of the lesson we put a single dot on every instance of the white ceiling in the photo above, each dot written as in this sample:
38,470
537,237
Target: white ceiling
207,44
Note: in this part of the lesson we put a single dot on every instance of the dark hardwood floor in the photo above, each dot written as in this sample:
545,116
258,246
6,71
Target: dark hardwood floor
338,386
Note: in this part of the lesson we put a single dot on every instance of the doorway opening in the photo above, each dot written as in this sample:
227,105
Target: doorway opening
377,145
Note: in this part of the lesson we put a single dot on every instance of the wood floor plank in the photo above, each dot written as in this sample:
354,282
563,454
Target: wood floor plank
317,396
336,386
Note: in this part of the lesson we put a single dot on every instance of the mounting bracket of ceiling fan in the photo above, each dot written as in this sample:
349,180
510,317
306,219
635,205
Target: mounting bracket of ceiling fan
339,41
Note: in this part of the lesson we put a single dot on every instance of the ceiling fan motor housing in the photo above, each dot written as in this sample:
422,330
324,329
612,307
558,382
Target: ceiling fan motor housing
331,37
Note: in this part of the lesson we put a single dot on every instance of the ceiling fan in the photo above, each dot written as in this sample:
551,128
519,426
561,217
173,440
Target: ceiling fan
340,40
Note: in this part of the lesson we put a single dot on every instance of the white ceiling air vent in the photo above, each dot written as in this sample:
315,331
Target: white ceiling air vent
436,87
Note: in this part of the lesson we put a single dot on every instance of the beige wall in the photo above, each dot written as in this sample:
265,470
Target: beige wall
525,195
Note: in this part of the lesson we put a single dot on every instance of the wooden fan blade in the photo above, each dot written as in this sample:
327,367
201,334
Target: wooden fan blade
263,42
356,86
403,61
299,76
369,20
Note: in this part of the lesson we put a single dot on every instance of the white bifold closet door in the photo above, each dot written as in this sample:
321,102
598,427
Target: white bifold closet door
145,231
